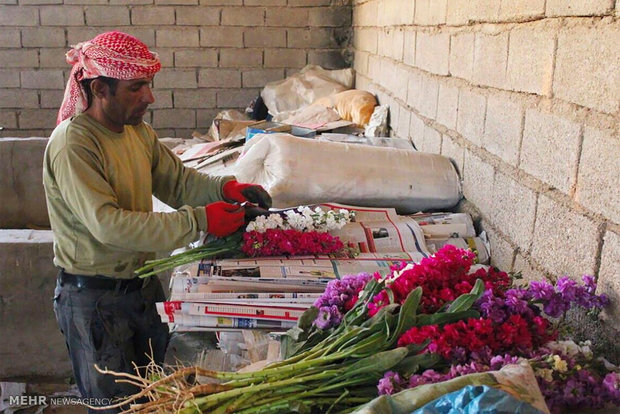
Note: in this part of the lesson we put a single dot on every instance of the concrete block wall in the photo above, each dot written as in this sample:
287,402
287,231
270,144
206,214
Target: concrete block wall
524,97
216,54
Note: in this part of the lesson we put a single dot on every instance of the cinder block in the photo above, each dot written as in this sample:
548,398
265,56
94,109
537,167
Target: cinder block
236,98
431,141
265,37
53,58
178,37
16,58
447,105
221,37
28,282
565,242
195,98
414,88
461,12
43,37
430,12
579,7
470,118
608,281
91,2
42,79
409,47
289,17
18,98
328,59
416,130
401,82
490,59
62,16
177,2
305,3
394,44
328,16
21,183
37,118
514,210
33,2
432,52
175,78
462,55
521,9
427,100
51,98
219,78
478,182
221,2
318,38
234,58
598,184
9,79
282,58
528,271
365,14
174,118
586,67
150,15
550,148
204,119
163,99
503,128
454,151
8,119
366,40
258,78
360,64
243,16
166,56
374,67
502,253
10,38
198,16
107,16
19,16
530,60
264,3
195,57
404,116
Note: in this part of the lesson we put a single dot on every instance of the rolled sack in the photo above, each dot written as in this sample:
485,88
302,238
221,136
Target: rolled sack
300,171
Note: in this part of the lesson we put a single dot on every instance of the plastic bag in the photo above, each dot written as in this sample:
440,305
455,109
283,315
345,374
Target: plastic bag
298,171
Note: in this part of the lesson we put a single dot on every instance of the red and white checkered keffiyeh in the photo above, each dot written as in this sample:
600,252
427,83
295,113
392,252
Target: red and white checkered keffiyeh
112,54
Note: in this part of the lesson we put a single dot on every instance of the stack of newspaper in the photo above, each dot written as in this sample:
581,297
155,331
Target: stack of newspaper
272,292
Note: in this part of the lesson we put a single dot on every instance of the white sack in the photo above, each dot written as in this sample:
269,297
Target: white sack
284,97
299,171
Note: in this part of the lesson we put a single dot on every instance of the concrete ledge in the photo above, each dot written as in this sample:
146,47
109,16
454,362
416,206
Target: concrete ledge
31,345
21,183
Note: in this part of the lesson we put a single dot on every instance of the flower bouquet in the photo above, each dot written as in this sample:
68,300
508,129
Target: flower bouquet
290,232
424,323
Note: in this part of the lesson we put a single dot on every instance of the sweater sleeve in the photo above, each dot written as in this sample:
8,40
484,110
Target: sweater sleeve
81,179
177,185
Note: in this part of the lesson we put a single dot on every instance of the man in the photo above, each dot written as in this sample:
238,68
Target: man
101,167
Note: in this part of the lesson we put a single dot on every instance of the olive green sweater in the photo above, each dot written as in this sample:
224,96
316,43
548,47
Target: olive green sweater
98,186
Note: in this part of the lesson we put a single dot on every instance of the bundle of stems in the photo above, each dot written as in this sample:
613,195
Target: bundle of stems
212,248
334,371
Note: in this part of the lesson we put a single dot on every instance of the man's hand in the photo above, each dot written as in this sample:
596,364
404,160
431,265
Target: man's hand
224,218
242,192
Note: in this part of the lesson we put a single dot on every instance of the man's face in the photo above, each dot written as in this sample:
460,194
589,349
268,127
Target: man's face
127,104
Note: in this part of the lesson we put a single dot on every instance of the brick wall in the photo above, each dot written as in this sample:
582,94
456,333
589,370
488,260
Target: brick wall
216,54
524,96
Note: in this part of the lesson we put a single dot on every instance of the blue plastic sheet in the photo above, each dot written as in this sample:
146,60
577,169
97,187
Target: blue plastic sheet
477,399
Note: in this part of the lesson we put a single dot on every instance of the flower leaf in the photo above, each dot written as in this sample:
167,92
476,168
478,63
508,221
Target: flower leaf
466,300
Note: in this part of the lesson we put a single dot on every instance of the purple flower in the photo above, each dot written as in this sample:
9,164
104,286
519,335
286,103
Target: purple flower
516,303
541,290
491,307
328,316
390,383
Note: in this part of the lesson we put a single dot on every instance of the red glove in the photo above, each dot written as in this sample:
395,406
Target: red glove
224,218
241,192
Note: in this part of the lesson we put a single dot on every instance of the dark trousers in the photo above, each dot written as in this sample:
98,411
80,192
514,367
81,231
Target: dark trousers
113,329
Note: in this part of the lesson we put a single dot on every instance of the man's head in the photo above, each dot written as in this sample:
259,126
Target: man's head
114,69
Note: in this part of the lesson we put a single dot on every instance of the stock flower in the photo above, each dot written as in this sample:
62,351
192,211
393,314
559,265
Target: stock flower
390,383
339,296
